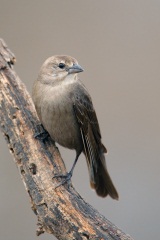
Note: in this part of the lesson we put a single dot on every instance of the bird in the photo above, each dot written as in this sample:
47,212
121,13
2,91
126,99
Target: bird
66,112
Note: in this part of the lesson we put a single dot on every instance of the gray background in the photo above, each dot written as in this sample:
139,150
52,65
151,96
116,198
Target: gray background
118,45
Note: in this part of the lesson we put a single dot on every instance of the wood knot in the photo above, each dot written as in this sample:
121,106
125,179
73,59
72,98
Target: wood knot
33,168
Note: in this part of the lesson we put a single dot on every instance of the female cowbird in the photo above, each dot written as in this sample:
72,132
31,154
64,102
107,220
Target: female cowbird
65,109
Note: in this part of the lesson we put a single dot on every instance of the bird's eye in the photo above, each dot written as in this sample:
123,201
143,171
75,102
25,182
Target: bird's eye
61,65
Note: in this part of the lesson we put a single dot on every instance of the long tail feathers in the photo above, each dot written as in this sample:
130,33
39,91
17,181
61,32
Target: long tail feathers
102,182
99,176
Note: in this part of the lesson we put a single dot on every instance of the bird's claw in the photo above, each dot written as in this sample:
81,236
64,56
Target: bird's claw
41,133
66,178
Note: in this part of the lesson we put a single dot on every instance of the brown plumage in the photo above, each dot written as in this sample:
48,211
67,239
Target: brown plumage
66,111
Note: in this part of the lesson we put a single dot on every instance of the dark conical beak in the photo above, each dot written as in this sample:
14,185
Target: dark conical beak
76,68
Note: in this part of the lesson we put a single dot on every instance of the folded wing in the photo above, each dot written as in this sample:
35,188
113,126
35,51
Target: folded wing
93,148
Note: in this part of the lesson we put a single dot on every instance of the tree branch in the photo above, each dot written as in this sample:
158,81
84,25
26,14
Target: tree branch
62,211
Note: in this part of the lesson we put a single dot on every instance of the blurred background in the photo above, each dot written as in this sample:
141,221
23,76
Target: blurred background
118,45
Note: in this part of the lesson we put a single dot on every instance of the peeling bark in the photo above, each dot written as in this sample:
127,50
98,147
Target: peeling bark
61,211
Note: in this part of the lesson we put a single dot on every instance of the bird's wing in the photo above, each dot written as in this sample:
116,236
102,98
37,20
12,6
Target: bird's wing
89,127
93,148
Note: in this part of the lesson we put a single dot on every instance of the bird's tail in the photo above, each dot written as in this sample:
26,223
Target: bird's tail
99,177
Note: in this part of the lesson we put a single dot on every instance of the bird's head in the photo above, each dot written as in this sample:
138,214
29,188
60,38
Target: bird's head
58,67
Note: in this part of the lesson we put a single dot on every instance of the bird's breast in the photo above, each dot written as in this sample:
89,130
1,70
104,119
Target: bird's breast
57,116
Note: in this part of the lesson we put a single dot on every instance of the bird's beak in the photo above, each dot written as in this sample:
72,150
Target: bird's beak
76,68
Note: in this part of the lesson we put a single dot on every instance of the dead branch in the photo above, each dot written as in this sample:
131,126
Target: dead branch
62,211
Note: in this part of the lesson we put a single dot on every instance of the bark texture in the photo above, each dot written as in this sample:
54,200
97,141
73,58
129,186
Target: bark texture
61,211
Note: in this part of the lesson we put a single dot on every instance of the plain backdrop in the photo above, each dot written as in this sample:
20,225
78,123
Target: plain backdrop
117,42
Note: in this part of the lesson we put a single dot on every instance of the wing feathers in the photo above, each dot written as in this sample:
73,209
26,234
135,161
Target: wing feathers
93,148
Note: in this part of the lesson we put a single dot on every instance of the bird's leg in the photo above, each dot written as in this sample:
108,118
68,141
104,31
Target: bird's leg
41,133
68,176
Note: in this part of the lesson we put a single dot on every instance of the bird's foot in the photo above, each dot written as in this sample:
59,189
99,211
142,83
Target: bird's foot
40,133
66,178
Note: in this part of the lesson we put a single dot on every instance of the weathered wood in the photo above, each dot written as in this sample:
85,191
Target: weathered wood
62,211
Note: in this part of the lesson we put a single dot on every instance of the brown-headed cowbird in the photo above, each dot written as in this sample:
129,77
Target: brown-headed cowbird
65,109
